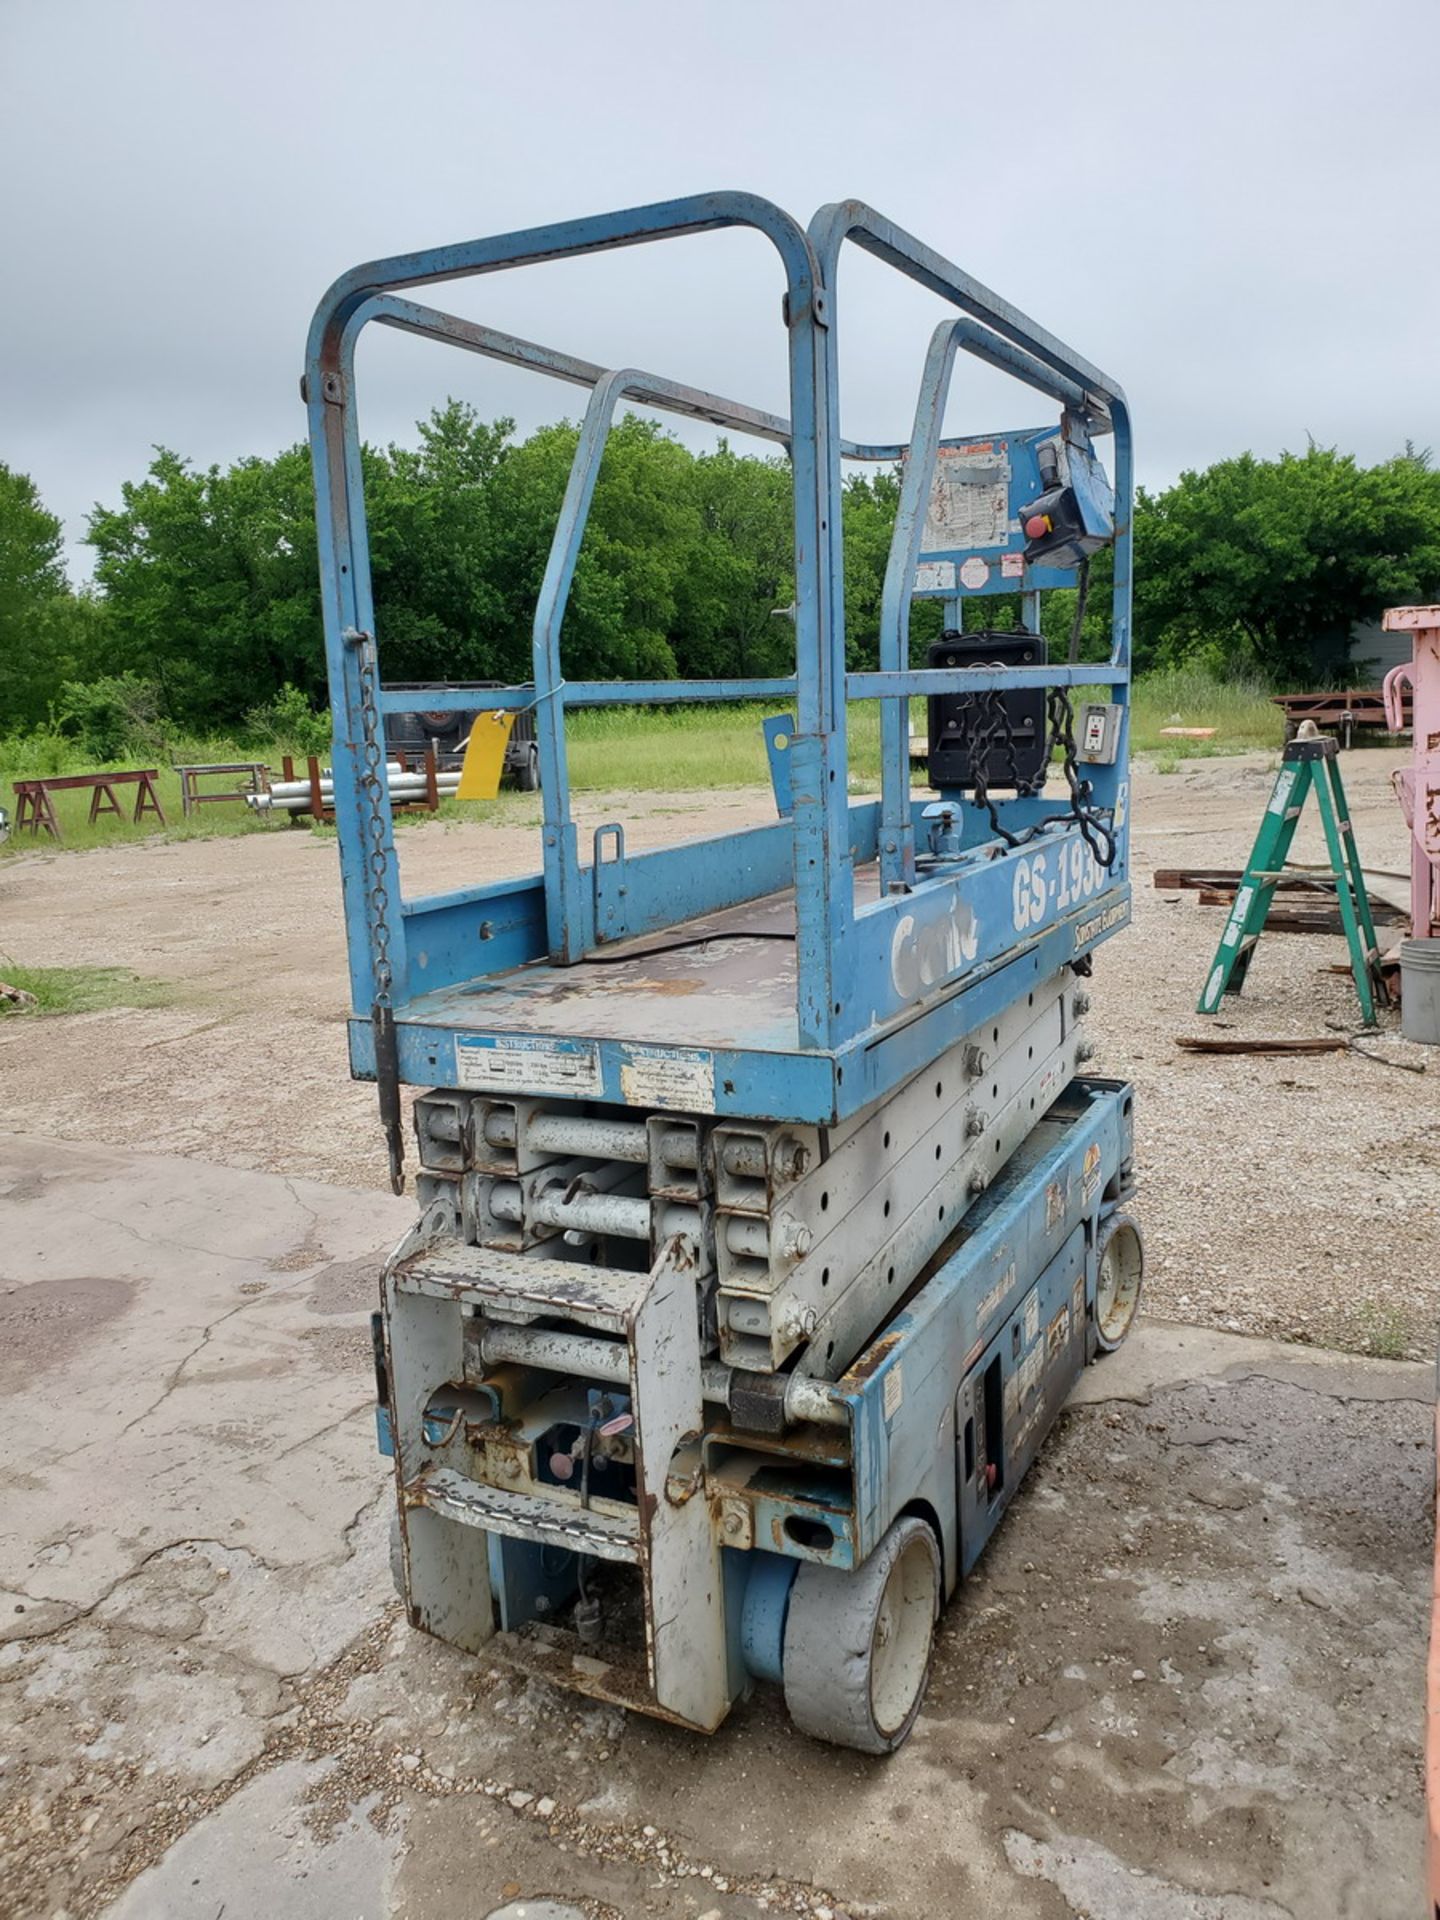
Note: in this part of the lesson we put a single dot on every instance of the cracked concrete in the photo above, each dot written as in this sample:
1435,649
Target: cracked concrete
1185,1684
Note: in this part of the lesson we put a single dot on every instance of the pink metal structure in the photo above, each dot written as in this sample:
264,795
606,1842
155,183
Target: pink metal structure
1417,787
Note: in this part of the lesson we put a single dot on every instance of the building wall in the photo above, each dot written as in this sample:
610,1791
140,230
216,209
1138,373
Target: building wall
1374,652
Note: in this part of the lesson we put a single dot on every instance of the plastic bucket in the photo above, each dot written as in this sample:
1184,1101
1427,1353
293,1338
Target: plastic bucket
1420,991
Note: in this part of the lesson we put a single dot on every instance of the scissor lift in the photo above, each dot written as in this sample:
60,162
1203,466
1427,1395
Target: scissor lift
765,1218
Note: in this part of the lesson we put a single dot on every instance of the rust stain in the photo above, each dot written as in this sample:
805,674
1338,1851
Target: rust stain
872,1359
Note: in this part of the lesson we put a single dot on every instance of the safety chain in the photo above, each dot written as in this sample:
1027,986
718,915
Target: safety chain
982,716
1099,838
985,723
374,786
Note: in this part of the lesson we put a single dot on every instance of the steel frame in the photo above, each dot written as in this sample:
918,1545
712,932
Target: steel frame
876,981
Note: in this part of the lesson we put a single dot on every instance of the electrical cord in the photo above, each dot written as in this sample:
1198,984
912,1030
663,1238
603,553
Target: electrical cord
1082,594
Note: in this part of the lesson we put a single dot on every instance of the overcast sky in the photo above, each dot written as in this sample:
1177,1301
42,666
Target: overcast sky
1231,207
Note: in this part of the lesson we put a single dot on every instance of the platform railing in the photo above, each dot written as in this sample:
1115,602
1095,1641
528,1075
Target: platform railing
842,952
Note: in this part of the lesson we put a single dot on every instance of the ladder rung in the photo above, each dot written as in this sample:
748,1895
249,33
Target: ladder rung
524,1516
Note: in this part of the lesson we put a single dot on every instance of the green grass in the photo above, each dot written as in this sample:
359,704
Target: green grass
78,989
636,750
43,753
1241,712
620,748
1383,1332
642,750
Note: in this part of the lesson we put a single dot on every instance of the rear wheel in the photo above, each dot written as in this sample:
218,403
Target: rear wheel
858,1644
1121,1256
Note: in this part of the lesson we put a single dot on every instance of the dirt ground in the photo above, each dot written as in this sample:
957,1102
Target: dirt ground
1290,1196
1186,1682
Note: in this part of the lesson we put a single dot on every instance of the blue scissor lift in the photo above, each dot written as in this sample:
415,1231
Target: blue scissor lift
764,1218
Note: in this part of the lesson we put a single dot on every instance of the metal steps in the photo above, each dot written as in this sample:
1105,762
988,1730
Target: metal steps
560,1521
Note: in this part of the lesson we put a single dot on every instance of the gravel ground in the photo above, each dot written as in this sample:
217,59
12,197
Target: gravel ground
1290,1195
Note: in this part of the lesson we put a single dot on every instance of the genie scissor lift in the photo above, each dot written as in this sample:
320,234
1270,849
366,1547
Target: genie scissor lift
765,1216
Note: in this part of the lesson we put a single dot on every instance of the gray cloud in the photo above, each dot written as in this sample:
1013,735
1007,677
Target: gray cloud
1228,207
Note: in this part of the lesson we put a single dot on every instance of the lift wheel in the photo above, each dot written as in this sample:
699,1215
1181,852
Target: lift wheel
858,1644
1120,1276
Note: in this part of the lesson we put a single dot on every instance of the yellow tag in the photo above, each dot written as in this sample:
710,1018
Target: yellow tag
485,757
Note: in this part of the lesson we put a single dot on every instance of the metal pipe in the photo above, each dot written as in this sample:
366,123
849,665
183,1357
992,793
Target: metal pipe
598,1359
805,1399
289,789
748,1236
405,796
592,1358
593,1137
621,1214
744,1155
292,794
675,1218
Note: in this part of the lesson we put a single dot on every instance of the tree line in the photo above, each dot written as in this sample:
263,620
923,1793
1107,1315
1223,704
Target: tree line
205,601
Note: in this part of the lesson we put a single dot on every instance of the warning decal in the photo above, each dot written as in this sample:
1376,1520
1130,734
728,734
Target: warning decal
680,1077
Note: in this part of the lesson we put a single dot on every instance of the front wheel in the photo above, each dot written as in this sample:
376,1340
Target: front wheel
858,1644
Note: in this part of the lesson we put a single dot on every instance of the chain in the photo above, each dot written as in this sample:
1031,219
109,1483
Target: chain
374,787
983,715
1099,838
985,725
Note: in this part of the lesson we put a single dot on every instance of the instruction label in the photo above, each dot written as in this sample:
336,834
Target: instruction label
969,504
680,1077
528,1063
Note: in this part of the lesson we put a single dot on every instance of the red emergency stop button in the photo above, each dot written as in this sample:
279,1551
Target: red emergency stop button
1038,524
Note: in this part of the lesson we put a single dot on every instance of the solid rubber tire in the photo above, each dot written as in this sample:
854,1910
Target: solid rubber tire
829,1644
1117,1225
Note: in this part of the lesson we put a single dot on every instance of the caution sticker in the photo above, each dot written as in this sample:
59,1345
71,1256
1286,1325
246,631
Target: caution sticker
680,1077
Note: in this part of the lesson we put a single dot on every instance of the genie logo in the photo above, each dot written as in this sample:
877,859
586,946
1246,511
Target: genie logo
922,957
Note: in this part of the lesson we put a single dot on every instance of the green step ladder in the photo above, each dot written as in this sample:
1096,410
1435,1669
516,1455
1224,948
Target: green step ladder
1304,764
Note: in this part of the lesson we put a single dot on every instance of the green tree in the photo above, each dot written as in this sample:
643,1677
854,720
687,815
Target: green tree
211,585
1268,565
47,634
738,573
431,516
621,618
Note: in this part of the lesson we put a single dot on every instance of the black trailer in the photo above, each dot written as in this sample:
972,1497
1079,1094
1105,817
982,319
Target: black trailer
412,733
